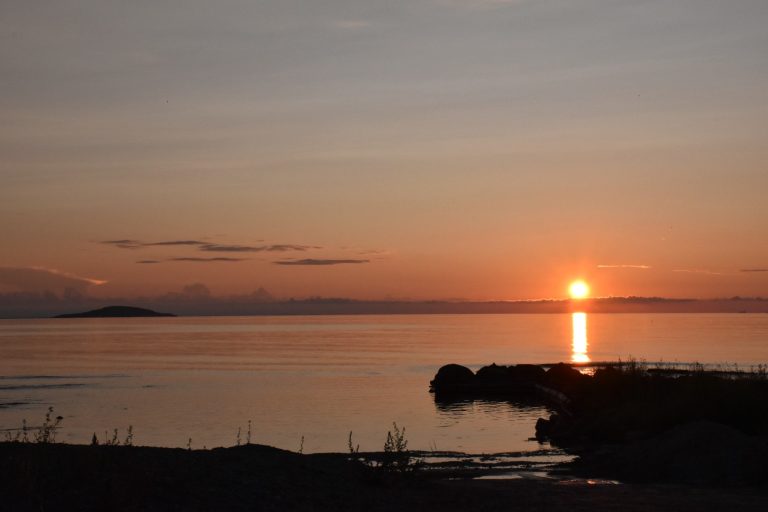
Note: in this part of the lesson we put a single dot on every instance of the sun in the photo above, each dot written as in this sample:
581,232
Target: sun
579,289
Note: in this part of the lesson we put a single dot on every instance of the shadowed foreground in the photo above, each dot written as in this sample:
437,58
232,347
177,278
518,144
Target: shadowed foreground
45,477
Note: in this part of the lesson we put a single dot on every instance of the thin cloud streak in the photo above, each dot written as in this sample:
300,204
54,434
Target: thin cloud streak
754,270
320,262
209,247
261,248
641,267
697,271
208,260
175,242
95,282
123,244
43,279
229,248
291,247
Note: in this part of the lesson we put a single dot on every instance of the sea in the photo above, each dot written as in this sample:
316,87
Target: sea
306,383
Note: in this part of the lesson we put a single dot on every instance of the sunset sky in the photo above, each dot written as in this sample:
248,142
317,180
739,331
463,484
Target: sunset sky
474,149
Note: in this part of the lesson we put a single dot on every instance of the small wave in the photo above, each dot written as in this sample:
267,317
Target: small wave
62,377
19,387
8,405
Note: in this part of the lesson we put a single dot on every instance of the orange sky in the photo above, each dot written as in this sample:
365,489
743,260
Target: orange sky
432,149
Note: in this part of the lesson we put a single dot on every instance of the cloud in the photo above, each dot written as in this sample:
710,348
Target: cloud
208,260
313,261
378,254
209,247
291,247
259,248
697,271
642,267
124,244
176,242
196,291
138,244
229,248
754,270
147,262
38,279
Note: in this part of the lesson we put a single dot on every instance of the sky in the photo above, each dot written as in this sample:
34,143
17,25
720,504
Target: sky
420,149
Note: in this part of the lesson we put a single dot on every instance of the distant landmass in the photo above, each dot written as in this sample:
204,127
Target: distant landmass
19,305
115,312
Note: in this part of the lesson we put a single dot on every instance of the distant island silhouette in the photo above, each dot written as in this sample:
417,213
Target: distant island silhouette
47,305
115,312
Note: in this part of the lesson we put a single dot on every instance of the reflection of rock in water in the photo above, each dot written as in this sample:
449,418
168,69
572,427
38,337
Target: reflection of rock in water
458,406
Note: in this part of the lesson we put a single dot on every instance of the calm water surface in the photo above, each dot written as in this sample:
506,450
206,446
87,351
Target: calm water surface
320,377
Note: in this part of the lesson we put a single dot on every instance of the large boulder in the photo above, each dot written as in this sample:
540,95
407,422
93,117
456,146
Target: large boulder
493,376
452,377
564,377
530,373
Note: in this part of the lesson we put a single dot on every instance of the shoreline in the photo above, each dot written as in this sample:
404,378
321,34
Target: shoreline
256,477
693,466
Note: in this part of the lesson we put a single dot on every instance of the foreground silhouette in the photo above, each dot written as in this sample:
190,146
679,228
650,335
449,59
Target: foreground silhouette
635,423
43,477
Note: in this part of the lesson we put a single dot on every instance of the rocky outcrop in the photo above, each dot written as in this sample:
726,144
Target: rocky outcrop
492,381
698,452
452,378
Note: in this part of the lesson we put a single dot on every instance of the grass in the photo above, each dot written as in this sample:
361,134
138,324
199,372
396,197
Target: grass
114,439
635,397
45,433
353,449
395,456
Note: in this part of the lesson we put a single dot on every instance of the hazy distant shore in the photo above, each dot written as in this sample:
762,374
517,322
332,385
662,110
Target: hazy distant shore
36,306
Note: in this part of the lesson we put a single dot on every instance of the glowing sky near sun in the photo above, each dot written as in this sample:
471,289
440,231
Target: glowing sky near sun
402,149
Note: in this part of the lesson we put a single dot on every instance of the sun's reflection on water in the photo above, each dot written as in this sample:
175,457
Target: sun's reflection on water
579,348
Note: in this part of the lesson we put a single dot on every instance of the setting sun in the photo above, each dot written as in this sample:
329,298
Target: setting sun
578,290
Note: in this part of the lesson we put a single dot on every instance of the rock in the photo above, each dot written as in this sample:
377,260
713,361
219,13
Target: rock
699,452
493,375
526,373
452,377
563,377
543,427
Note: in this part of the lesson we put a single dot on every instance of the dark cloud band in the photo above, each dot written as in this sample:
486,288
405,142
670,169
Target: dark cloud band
209,247
319,262
208,260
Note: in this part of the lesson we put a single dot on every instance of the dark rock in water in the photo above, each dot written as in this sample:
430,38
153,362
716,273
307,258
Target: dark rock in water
493,375
489,380
543,427
564,378
116,312
452,377
526,373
